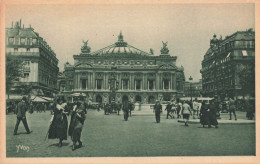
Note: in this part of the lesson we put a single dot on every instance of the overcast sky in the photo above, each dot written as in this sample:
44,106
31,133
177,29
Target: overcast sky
188,28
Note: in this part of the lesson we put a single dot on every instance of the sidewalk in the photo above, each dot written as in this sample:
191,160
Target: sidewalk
221,121
241,117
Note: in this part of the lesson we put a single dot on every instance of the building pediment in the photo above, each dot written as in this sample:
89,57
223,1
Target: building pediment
167,66
83,65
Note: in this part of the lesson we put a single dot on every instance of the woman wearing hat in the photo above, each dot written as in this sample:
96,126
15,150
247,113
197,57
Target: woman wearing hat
76,124
59,122
186,112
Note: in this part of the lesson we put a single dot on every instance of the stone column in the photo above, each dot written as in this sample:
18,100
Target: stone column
131,81
157,81
174,81
119,81
78,80
94,80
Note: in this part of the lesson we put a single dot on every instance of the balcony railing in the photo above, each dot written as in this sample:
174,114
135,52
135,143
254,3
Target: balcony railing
24,53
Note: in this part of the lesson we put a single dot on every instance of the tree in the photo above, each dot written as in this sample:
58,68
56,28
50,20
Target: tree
247,79
14,70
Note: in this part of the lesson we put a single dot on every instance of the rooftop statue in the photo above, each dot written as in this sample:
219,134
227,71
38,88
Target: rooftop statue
164,49
85,48
151,51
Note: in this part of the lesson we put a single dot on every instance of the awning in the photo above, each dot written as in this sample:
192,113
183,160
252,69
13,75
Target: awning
39,99
78,94
47,98
14,97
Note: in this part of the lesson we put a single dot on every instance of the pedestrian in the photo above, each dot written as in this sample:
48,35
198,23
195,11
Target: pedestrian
199,108
168,108
249,109
119,106
213,114
132,107
76,124
186,112
59,123
204,114
99,106
21,116
232,108
158,110
178,108
126,107
195,106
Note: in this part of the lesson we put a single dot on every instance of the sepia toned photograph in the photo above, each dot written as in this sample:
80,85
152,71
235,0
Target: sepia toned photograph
129,80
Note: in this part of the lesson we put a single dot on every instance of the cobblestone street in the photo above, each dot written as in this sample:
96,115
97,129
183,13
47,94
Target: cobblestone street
108,135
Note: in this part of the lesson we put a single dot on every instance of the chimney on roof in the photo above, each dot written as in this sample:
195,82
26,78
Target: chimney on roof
30,26
20,22
12,24
23,25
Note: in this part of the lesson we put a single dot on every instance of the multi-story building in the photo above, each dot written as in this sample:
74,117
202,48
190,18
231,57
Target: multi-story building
193,89
223,62
138,76
40,63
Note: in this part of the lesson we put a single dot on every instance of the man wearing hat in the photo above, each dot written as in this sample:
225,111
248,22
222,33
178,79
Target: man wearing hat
126,107
168,108
21,115
157,109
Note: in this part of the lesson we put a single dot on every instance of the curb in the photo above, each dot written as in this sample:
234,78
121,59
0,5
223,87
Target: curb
221,122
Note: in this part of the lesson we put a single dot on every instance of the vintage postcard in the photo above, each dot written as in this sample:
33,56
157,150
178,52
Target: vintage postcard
129,82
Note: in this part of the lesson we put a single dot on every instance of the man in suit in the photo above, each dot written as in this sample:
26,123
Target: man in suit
168,108
126,108
21,116
157,109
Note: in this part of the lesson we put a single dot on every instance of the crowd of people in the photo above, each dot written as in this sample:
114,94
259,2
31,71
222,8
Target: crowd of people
59,127
207,112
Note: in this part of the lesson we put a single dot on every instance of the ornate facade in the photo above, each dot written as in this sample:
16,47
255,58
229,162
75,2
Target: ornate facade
40,63
223,63
140,76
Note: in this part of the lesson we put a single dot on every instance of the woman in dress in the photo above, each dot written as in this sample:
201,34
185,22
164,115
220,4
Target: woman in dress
76,124
59,123
213,114
204,118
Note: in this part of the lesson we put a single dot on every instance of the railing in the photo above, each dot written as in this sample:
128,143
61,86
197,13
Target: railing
24,53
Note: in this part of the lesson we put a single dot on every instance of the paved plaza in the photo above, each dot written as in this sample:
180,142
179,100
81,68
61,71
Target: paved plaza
108,135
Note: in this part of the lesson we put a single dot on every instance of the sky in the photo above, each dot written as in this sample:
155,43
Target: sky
188,28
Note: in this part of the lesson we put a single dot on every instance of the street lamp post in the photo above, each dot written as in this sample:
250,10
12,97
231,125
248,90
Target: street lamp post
190,88
113,84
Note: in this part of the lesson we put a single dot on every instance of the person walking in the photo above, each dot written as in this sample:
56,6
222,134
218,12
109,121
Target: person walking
199,108
59,123
126,107
76,124
178,108
232,109
195,106
132,107
186,112
168,108
118,106
157,109
204,114
21,116
213,114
